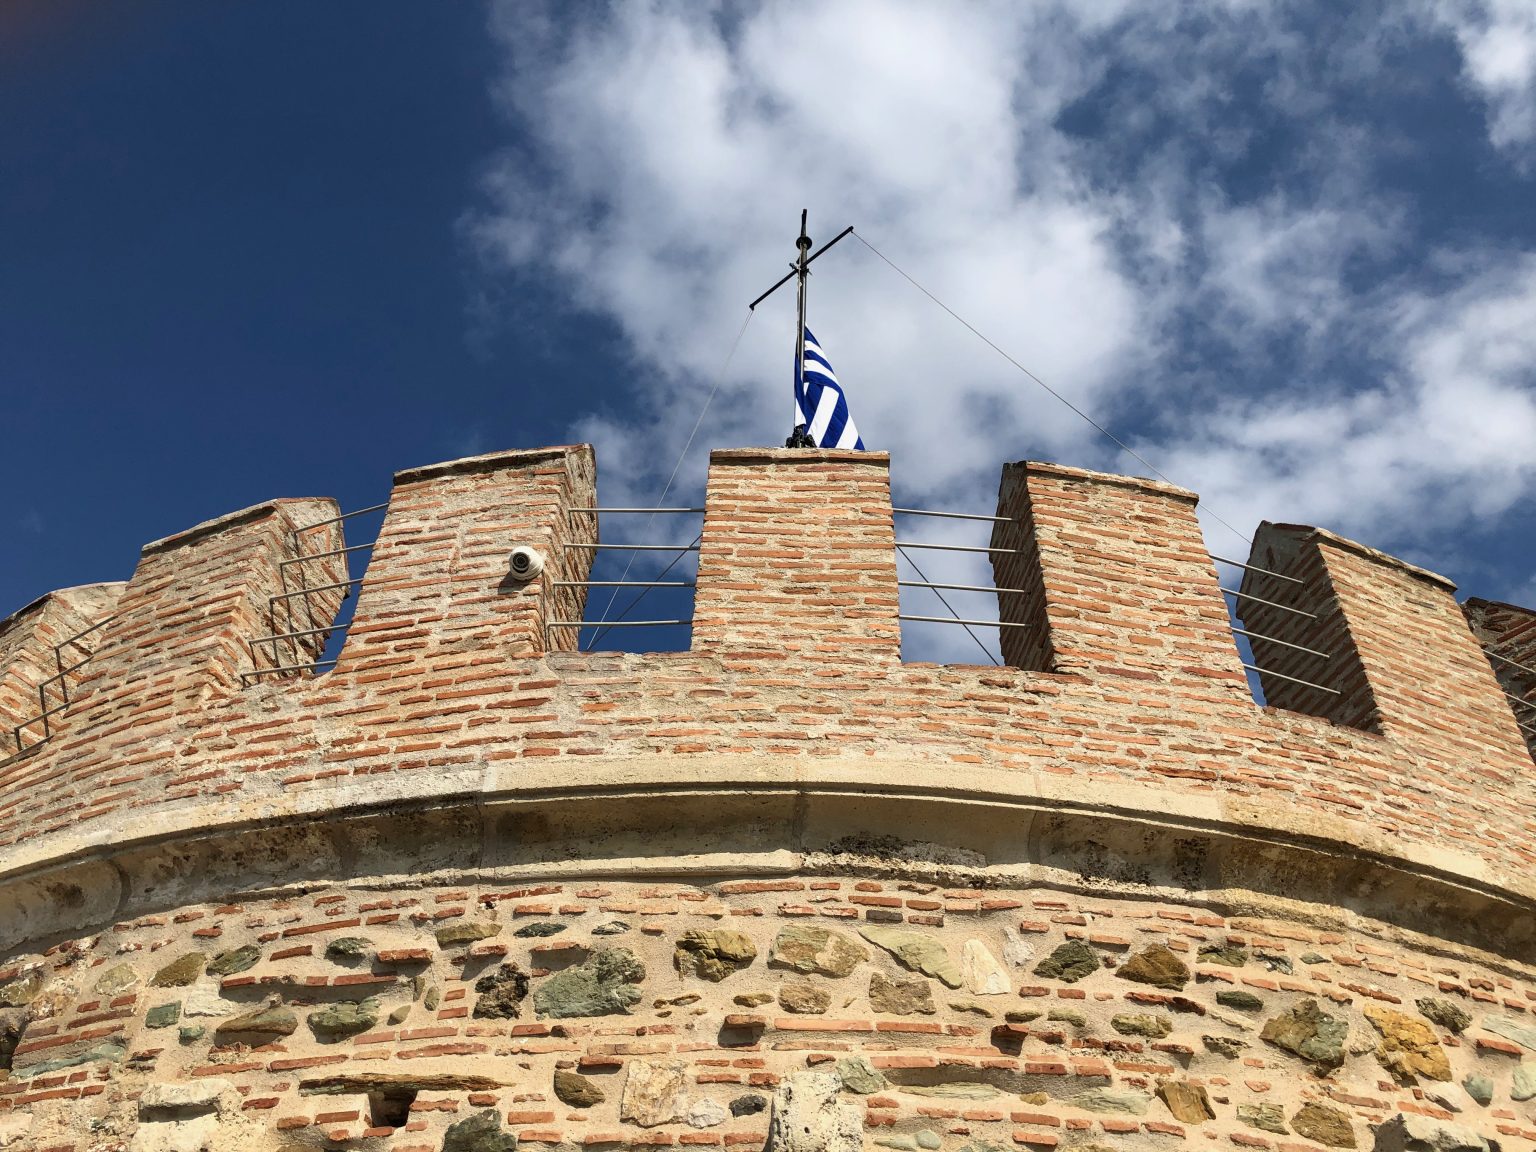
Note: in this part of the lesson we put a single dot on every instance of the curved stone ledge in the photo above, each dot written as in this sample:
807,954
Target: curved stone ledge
675,816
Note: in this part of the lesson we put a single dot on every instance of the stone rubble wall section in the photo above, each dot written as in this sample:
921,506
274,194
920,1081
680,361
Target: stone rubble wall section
952,1018
445,668
28,639
1511,632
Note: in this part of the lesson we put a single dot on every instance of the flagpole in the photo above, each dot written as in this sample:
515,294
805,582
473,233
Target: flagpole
802,272
798,271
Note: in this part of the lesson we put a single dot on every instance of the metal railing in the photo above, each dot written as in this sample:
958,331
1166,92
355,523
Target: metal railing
1239,629
1516,703
268,647
61,679
939,587
601,627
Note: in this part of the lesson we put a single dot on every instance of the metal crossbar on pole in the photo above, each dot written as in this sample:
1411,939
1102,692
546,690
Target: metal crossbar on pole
86,632
955,548
1282,643
1269,603
256,673
293,635
953,515
1255,568
1292,679
63,672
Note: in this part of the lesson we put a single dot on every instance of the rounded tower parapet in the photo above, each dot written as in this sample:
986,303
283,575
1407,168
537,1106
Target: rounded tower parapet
474,876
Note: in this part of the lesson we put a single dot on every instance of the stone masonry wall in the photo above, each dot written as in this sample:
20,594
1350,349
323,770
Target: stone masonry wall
610,1014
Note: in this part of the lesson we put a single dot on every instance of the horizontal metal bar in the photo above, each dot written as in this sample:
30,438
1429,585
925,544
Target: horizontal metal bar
1252,568
343,516
606,624
323,555
1292,679
293,635
1282,643
41,716
957,587
1506,660
957,620
660,511
953,548
87,632
622,583
284,668
60,675
952,515
1524,726
1521,700
1271,603
635,547
23,751
316,588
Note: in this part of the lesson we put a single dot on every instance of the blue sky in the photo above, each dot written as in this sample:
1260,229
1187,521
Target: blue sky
1286,251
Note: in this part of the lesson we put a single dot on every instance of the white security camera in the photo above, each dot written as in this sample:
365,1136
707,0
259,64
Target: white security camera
526,562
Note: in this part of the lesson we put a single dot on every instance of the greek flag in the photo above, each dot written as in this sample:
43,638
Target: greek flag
819,401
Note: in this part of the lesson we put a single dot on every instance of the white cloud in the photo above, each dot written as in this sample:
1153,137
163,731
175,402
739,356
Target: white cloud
1498,46
1169,269
1443,442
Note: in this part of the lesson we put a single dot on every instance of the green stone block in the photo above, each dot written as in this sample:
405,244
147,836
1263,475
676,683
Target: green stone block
163,1015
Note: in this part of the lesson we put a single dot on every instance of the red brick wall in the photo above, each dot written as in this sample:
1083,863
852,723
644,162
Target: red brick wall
443,671
1510,632
181,636
438,589
29,661
797,560
1122,587
1403,657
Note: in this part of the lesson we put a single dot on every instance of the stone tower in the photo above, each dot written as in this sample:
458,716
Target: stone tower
474,889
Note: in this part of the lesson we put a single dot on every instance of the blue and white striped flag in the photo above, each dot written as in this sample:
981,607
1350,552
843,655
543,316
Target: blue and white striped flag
820,404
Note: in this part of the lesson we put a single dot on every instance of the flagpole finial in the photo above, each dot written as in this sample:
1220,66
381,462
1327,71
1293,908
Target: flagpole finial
806,414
